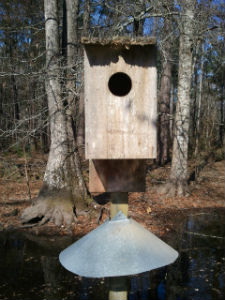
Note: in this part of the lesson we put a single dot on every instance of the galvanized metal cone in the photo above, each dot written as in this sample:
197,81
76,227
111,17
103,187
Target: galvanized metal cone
118,247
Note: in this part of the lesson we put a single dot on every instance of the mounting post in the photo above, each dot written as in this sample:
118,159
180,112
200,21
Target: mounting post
119,202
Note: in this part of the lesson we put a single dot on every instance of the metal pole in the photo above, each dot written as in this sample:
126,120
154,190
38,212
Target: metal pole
118,285
118,288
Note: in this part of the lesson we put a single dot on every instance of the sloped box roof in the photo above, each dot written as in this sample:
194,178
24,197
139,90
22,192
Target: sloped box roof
119,41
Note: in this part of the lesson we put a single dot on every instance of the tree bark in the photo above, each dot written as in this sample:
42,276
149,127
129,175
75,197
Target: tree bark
80,128
86,18
164,99
198,108
138,24
61,190
79,187
222,118
178,177
171,110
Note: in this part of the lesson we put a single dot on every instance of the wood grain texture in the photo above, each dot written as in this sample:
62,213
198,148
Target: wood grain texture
120,175
120,127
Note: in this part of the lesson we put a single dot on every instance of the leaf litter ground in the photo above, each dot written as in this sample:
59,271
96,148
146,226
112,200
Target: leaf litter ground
153,210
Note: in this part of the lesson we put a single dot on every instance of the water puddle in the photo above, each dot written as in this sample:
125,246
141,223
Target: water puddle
29,266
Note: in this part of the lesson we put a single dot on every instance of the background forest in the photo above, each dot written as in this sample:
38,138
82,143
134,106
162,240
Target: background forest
190,39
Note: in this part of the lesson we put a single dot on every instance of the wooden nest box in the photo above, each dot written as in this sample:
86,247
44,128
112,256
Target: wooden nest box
120,82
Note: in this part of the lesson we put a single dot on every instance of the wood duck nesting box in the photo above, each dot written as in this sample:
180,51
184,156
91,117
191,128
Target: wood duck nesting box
120,81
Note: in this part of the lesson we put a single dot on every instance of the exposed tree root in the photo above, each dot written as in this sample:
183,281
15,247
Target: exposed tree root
173,189
49,210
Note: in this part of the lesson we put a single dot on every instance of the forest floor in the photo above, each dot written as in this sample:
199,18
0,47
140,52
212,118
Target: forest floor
21,179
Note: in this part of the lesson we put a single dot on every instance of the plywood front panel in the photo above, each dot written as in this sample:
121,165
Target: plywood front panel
120,127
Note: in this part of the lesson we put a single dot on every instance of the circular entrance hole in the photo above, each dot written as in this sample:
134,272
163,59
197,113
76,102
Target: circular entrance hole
120,84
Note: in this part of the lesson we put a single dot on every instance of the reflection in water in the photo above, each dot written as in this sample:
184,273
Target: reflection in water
161,288
29,267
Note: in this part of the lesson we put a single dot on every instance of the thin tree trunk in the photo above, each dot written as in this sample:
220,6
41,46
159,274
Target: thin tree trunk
199,102
198,115
80,119
164,100
164,108
138,24
79,187
15,99
86,18
171,110
16,114
178,176
207,140
80,128
222,119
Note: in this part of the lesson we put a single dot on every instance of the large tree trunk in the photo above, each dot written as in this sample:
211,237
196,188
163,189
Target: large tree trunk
61,189
178,177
